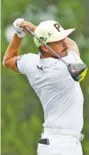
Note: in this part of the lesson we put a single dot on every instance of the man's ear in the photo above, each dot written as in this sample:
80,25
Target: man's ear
44,48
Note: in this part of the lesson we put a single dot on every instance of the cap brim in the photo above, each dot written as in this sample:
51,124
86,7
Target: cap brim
61,35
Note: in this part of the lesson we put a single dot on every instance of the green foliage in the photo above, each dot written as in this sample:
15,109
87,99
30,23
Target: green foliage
22,114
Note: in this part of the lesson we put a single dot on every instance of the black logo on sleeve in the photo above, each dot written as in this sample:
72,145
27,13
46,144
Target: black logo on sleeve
40,67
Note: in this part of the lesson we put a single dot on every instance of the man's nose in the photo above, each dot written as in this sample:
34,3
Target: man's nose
64,40
64,43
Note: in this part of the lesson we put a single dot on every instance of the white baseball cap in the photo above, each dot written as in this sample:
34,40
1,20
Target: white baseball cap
50,31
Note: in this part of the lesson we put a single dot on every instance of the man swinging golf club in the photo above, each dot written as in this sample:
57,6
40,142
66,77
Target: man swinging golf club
60,95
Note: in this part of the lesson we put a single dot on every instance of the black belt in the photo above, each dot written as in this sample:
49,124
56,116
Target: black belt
44,141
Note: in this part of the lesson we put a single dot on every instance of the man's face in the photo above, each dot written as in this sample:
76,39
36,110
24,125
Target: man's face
60,47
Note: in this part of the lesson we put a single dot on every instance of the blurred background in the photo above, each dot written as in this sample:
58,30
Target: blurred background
22,114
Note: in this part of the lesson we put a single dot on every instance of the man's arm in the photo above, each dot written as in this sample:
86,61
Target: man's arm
9,60
12,51
72,46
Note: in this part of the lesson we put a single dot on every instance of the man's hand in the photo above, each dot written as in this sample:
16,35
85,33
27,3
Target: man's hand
19,25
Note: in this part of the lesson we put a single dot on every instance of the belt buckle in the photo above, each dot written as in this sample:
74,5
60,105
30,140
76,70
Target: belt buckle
44,141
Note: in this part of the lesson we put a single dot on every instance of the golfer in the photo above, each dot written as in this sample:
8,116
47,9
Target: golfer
60,96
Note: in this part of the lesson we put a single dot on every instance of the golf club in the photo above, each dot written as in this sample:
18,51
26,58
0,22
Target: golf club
78,70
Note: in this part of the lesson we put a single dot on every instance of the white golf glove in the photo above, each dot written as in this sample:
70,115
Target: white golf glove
18,27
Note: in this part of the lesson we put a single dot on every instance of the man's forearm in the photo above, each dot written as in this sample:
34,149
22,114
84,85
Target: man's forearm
13,49
32,27
72,46
29,26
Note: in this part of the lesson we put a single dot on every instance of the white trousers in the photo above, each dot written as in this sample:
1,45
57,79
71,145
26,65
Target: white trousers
60,145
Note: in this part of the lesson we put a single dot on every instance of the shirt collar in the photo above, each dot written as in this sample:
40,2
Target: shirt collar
47,62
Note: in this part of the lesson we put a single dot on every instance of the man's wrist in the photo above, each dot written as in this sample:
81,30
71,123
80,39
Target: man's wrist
16,36
20,34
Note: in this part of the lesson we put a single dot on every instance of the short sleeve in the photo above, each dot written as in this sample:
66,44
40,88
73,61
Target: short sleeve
24,63
72,57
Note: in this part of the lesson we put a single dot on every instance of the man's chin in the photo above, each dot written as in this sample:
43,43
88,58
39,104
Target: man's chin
65,52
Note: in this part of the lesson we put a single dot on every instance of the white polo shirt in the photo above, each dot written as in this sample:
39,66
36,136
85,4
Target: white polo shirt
60,96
